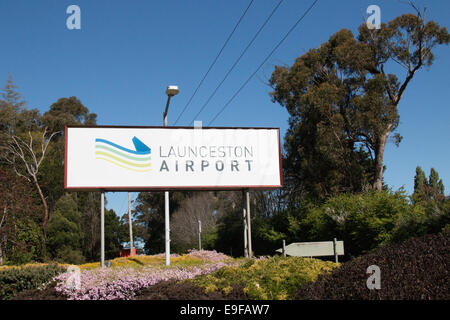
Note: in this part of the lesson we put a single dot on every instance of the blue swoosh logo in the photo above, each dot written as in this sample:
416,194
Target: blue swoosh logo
141,148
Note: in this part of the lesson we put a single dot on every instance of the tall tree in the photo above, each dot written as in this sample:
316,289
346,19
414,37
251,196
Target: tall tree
89,203
407,40
64,234
419,179
11,96
434,182
13,112
65,111
68,111
18,206
420,185
116,232
25,155
431,189
184,224
341,98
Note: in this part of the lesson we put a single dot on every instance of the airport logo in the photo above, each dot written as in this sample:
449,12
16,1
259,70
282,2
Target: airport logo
138,160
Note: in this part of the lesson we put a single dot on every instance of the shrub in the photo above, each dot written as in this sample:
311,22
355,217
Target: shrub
418,268
28,243
274,278
182,290
363,221
429,217
17,279
69,255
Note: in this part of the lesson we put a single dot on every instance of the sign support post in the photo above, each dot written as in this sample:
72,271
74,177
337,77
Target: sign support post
244,220
335,250
130,223
199,235
166,200
249,229
102,230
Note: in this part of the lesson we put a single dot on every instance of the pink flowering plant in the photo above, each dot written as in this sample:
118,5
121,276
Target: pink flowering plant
122,283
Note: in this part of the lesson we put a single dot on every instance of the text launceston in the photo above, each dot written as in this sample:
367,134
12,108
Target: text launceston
191,152
206,152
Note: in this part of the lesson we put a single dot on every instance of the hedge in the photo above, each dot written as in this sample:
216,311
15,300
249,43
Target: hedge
417,269
17,279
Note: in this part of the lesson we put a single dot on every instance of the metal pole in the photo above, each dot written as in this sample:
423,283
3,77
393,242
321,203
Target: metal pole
244,218
167,223
335,249
249,227
284,248
166,110
102,230
130,223
166,201
199,235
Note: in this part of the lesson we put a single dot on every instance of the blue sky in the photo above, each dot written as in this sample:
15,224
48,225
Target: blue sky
127,52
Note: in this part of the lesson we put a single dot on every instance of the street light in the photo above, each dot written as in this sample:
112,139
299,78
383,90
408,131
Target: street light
170,91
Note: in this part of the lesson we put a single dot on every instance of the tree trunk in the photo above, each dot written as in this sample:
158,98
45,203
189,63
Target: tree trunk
44,203
2,237
379,153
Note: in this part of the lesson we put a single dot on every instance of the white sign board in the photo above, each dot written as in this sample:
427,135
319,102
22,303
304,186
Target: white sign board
314,249
164,158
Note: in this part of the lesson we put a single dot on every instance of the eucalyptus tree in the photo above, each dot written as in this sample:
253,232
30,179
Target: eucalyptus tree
343,100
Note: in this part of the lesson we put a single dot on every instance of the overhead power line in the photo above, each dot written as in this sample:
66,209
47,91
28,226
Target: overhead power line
237,61
264,61
215,60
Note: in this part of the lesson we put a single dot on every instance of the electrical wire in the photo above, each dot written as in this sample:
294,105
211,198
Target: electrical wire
265,60
215,60
237,61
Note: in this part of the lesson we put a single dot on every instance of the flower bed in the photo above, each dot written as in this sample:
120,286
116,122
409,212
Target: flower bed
122,282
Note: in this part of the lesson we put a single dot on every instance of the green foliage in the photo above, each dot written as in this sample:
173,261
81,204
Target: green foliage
230,233
209,240
68,111
427,218
149,216
342,103
267,223
15,280
64,234
115,232
28,247
10,95
20,236
275,278
428,190
364,221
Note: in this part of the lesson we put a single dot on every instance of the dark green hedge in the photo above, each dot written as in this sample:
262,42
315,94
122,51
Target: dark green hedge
15,280
417,269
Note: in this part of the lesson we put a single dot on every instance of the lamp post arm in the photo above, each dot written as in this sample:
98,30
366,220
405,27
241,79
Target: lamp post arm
167,109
